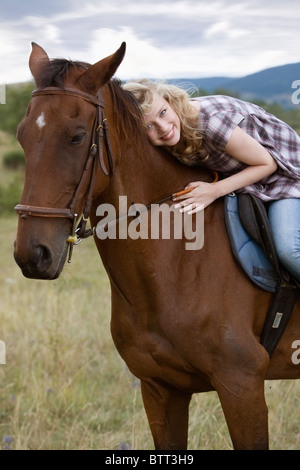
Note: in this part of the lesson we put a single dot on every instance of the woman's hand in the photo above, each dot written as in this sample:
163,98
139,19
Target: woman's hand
195,201
258,164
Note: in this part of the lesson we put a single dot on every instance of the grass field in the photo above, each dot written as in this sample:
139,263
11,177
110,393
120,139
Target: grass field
65,387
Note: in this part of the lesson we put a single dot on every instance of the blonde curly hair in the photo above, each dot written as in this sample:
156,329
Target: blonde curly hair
195,151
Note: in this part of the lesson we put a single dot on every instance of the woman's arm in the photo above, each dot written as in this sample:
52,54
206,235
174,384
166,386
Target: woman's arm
244,148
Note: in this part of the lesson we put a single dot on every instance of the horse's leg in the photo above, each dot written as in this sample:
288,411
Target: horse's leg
241,393
167,411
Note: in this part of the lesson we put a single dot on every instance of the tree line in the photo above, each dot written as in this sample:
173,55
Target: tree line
18,97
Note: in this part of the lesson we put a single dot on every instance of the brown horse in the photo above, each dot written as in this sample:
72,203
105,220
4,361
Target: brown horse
185,321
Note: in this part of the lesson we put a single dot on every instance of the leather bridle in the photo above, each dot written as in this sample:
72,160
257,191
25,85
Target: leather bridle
99,134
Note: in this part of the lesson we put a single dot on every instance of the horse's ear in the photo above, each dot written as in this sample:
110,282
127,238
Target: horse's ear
37,59
101,72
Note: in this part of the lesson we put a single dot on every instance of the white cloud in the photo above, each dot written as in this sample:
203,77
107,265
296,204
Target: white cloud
165,38
38,24
141,57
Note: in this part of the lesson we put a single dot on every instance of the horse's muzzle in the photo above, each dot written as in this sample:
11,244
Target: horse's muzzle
36,263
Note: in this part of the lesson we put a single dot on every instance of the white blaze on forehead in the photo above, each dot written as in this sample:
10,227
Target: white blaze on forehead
41,121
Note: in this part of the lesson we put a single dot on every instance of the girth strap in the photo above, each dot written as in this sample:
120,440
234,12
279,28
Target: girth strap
278,316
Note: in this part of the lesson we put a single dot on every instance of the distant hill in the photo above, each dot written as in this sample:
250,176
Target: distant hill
273,85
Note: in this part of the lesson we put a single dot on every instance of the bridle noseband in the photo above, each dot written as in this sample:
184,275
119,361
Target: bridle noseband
100,133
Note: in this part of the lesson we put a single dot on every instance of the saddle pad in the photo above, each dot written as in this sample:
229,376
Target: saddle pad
247,252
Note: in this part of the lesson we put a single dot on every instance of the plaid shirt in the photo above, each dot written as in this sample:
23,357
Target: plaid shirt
219,115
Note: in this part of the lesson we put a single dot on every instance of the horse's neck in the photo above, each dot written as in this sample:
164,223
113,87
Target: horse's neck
152,175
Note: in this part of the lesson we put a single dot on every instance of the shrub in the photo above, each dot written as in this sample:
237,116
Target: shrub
10,195
14,160
17,99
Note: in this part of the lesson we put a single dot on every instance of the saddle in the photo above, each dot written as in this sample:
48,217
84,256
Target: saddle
253,247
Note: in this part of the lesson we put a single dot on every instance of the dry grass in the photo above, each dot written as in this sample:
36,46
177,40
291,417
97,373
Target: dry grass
65,387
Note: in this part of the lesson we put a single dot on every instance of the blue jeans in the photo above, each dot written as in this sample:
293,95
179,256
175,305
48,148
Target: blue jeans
284,217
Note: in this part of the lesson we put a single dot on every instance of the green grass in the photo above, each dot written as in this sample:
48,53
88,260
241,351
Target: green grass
64,386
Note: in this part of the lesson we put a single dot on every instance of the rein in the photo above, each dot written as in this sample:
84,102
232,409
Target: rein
100,133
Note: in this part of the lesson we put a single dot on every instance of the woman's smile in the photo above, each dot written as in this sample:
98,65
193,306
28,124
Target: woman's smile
170,135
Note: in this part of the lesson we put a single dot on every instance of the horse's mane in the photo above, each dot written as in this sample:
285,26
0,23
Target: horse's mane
53,72
130,120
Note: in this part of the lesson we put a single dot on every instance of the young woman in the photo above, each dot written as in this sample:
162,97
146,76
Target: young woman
253,150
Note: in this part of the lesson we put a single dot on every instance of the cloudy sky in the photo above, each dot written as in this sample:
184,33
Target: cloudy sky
165,38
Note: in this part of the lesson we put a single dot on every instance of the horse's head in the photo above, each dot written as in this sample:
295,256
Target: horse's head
60,135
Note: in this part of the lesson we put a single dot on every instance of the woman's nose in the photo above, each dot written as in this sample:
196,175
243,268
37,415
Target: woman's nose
162,127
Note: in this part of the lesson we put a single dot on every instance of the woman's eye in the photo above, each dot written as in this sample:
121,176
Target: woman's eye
163,112
77,139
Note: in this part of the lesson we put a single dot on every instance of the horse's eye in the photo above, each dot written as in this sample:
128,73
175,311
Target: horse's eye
77,139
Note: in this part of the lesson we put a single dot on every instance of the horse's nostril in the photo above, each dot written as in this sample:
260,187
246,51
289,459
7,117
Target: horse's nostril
44,257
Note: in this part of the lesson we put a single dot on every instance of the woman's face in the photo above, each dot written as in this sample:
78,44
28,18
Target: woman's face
162,124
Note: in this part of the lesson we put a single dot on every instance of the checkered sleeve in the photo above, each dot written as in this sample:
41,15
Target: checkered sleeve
220,127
